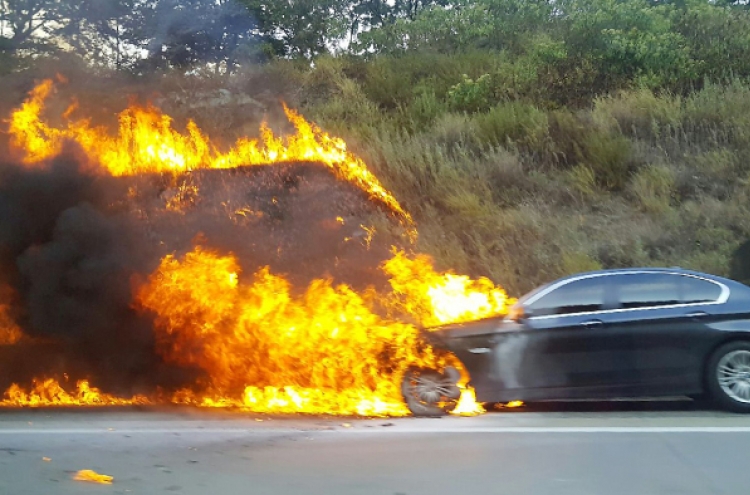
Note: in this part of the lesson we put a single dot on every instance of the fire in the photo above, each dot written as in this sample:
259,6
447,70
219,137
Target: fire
146,142
9,331
437,298
265,348
467,404
49,392
93,476
262,344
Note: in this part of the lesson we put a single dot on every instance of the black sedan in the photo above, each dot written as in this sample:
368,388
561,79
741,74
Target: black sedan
602,335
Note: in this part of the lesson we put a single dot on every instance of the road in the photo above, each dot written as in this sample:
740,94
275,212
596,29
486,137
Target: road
597,449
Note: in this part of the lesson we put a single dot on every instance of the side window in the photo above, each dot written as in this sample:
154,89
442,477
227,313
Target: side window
696,290
643,290
580,296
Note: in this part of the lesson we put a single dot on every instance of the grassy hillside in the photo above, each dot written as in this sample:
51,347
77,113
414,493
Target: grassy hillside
524,193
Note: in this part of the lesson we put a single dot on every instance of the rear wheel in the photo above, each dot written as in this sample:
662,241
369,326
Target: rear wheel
430,393
728,376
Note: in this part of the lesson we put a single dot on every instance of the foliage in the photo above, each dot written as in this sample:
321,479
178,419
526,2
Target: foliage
529,138
470,95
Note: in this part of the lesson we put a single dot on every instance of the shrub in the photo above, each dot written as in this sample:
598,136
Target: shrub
423,110
609,156
471,95
718,115
454,131
567,133
581,180
513,124
713,172
653,188
577,261
637,113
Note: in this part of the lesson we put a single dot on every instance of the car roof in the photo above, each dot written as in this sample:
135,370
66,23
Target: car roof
623,271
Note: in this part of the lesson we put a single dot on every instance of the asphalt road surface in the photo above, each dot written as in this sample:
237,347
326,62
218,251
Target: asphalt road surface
598,449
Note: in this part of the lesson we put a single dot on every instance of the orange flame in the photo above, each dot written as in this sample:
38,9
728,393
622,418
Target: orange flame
49,392
93,476
324,351
438,298
467,404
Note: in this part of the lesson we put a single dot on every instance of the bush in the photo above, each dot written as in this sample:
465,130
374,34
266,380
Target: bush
454,131
581,180
513,124
576,262
638,113
719,115
471,95
567,134
609,156
423,110
653,188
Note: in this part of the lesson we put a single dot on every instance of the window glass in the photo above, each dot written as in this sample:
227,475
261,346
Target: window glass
643,290
695,290
575,297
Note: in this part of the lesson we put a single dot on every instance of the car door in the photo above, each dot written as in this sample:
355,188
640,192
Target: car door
664,319
564,348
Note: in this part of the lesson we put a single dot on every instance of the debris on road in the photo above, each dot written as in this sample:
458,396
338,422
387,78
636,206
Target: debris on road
93,476
46,459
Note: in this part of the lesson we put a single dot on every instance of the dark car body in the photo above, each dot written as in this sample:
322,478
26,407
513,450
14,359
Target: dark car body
605,334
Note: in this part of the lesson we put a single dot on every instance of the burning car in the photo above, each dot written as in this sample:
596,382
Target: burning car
601,335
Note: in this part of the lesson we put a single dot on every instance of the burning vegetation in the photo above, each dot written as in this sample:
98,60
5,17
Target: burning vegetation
164,267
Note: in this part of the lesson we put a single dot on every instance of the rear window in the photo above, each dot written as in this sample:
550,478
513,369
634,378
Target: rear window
696,290
643,290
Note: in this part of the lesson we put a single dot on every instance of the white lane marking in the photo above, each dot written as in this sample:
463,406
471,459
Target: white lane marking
396,430
158,431
574,429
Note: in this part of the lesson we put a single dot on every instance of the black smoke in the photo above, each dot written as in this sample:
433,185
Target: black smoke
70,250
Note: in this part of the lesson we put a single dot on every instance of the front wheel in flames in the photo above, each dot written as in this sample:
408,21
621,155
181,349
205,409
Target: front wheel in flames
431,393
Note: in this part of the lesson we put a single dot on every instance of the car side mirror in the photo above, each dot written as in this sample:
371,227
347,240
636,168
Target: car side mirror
519,313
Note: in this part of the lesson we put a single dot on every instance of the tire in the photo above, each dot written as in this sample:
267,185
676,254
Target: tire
728,376
429,393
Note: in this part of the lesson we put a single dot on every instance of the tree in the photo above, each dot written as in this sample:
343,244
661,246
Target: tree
108,32
300,28
624,41
25,20
464,25
718,39
184,33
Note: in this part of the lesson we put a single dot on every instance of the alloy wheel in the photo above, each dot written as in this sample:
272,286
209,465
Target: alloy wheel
733,375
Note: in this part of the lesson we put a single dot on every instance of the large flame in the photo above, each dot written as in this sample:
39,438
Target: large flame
324,350
261,344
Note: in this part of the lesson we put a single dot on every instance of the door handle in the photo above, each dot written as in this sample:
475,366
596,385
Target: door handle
697,315
592,324
480,350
